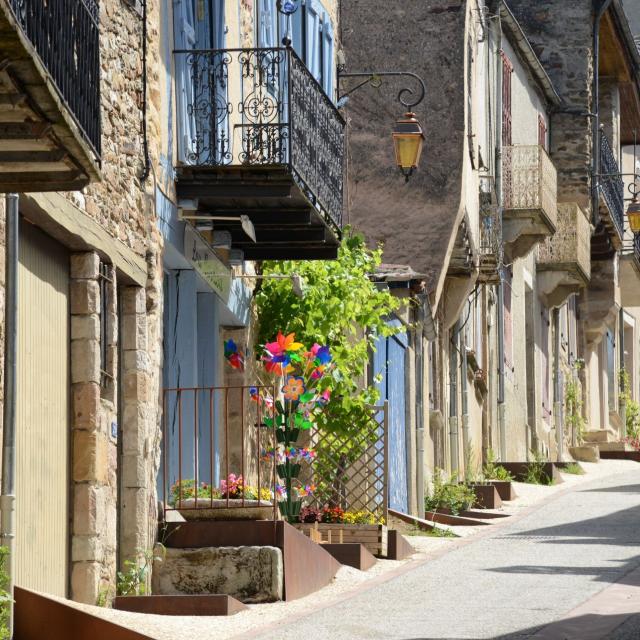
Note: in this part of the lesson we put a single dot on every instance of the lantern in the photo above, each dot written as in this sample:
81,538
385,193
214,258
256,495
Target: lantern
633,216
408,140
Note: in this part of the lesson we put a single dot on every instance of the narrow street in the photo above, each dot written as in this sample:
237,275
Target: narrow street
514,582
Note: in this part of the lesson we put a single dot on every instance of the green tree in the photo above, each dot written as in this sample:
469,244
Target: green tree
342,308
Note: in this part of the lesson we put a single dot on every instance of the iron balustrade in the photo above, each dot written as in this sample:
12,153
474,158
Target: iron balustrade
66,37
261,108
631,247
612,185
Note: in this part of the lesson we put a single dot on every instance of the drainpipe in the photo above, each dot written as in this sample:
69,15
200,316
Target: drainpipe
8,498
419,338
595,163
466,440
623,403
453,398
501,403
557,384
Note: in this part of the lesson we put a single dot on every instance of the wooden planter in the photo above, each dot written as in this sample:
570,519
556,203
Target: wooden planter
373,536
486,496
505,489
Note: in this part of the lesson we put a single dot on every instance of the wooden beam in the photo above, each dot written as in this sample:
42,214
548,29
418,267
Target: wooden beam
308,235
311,252
24,130
35,166
31,157
31,144
215,191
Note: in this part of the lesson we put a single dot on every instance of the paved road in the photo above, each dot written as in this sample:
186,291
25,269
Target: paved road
511,584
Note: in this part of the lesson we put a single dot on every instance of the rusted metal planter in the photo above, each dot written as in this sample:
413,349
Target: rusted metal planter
505,489
191,605
487,496
372,536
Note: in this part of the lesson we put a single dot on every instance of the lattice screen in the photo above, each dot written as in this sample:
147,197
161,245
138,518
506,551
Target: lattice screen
350,471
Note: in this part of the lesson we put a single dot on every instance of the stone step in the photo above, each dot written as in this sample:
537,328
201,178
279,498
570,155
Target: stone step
599,435
614,446
585,453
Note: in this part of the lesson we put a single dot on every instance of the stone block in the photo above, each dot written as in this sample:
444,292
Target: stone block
134,300
84,510
85,361
136,361
86,405
585,453
85,327
249,574
134,471
86,549
90,457
134,332
137,386
85,265
84,297
85,582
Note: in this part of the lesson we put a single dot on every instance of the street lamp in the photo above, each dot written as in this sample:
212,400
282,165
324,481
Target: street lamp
408,139
633,215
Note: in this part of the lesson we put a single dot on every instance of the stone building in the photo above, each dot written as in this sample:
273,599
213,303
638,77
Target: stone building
79,144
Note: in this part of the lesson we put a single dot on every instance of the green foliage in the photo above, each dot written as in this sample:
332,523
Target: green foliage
493,471
449,495
573,403
535,471
340,308
632,408
5,597
436,532
133,581
574,468
105,595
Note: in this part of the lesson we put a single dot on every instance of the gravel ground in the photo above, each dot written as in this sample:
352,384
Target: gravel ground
508,576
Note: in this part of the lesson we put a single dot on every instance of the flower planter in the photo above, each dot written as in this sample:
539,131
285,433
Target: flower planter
292,512
372,536
221,509
486,496
505,489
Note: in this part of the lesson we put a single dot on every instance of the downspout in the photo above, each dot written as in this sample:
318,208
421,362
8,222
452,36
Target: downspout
466,440
453,399
419,333
557,385
595,163
500,310
8,497
622,409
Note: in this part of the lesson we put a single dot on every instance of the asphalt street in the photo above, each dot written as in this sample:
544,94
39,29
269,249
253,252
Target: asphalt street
515,583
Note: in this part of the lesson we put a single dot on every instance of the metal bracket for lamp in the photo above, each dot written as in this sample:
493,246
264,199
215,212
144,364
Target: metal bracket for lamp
408,136
633,210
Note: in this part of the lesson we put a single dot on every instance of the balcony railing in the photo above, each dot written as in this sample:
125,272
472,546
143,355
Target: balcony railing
65,35
569,248
631,247
612,186
529,182
243,108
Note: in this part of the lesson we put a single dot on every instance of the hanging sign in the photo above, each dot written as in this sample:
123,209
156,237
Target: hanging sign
204,260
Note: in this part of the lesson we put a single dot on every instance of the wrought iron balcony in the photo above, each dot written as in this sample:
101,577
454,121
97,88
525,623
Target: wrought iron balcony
529,185
629,274
564,259
49,94
258,136
611,189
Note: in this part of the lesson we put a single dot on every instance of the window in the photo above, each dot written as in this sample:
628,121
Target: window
106,284
508,320
610,346
542,132
545,364
507,71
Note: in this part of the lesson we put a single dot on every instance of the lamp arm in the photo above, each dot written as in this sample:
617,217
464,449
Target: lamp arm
374,78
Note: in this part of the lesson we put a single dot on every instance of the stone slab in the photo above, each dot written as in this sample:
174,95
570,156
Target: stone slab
249,574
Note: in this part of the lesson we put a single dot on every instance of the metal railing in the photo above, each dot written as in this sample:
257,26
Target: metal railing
613,186
213,446
261,108
631,247
529,180
570,246
66,37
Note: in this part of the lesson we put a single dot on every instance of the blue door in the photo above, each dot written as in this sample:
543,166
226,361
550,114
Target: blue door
389,363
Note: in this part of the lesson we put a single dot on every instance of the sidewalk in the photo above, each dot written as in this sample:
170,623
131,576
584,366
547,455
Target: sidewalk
351,582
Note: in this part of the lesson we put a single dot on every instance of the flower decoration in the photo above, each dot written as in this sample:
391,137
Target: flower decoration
293,388
233,355
283,344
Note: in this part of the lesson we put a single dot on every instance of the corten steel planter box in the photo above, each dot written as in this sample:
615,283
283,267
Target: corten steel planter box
191,605
221,509
373,536
505,489
519,470
486,496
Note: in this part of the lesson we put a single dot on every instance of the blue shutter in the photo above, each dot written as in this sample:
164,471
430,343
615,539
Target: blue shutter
267,24
314,34
327,56
219,27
